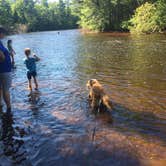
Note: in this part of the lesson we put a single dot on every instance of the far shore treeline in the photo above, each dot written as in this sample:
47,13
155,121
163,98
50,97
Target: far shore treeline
136,16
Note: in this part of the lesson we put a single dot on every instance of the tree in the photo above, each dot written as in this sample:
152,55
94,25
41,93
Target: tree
97,15
6,18
44,3
43,16
161,14
149,18
104,15
24,11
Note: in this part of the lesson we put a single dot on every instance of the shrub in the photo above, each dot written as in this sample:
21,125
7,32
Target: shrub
144,19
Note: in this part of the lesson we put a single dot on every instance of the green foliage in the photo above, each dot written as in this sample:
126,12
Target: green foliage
95,15
104,15
37,16
25,13
5,14
149,18
161,14
111,15
138,16
144,19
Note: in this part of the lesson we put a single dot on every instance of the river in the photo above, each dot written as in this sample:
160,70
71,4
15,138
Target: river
55,126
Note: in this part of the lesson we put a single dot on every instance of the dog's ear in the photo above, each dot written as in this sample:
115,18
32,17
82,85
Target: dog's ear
92,82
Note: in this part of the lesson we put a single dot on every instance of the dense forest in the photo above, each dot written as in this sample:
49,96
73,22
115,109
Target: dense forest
119,15
30,15
137,16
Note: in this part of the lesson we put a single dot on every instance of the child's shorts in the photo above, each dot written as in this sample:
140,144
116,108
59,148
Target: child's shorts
31,74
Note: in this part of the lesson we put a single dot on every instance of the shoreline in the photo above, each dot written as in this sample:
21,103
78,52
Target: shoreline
115,33
89,32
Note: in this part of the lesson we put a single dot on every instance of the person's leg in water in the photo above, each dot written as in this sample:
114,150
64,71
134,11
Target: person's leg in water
36,83
12,59
6,97
29,84
5,91
29,81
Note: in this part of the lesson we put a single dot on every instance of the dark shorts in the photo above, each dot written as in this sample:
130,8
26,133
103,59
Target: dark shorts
31,74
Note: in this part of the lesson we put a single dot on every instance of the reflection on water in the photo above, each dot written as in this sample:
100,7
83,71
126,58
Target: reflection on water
54,126
11,145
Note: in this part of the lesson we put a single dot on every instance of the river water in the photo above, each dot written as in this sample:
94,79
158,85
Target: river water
55,126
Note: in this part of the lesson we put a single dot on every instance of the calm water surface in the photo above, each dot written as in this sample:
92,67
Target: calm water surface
55,127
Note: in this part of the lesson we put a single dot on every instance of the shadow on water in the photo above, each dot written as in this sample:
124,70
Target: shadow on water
34,100
95,156
55,127
64,145
67,144
146,124
11,139
125,120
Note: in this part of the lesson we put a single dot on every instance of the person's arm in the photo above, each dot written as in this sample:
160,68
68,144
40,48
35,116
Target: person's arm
2,56
13,51
36,57
10,48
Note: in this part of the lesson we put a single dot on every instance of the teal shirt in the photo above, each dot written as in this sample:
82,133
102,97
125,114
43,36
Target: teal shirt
30,64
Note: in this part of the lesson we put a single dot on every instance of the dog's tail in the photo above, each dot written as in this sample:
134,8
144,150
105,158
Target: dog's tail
107,102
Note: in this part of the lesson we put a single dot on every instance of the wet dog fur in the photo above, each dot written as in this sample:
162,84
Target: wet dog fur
98,98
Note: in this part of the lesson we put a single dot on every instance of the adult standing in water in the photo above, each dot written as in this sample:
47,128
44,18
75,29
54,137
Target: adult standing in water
5,72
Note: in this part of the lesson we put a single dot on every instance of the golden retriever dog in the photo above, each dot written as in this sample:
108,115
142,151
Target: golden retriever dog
98,97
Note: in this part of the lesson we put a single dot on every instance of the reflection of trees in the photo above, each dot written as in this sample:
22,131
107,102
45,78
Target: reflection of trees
131,66
104,57
92,57
147,61
137,59
11,146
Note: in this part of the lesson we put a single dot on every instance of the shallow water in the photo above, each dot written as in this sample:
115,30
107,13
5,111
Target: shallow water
55,126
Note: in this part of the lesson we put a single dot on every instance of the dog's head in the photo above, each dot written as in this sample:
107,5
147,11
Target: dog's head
91,82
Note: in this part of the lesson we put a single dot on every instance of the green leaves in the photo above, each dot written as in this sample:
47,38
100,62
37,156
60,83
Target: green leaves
95,15
161,14
5,14
149,18
35,16
138,16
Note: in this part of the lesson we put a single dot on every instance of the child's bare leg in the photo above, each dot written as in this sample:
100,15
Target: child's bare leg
6,96
30,84
36,84
12,57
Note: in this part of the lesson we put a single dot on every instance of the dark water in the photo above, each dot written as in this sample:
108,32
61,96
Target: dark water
55,127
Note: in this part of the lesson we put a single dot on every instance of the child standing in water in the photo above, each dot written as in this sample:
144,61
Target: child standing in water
11,51
30,62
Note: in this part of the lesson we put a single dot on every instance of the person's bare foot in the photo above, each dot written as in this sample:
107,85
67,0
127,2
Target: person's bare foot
30,88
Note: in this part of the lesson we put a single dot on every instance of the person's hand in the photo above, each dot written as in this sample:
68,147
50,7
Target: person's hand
13,62
36,57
